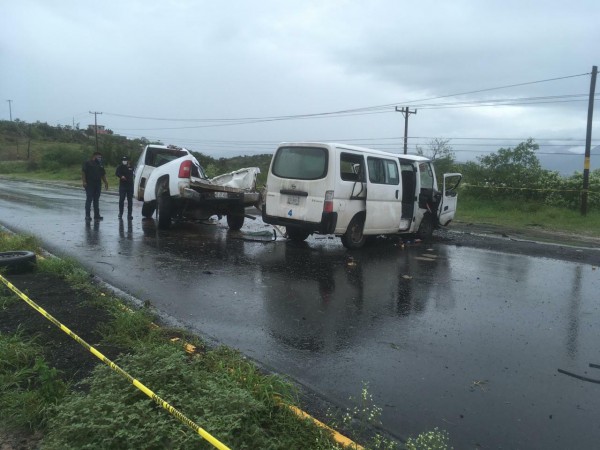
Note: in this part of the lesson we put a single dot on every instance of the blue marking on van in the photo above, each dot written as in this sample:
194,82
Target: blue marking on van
290,213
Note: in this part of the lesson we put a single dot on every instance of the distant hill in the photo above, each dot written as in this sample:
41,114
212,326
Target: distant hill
27,147
566,165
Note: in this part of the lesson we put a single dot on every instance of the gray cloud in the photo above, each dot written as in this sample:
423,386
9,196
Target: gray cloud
200,59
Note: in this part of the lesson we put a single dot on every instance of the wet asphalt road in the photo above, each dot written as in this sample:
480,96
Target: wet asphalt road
465,339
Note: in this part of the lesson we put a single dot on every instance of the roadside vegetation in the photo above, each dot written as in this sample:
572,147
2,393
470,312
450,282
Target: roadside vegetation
510,188
44,152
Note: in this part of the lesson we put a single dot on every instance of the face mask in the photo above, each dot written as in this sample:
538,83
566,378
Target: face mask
124,163
99,160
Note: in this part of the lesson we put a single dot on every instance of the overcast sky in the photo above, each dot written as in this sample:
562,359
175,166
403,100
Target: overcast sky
205,64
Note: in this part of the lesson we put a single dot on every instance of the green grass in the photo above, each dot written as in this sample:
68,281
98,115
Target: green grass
523,215
12,242
68,175
28,386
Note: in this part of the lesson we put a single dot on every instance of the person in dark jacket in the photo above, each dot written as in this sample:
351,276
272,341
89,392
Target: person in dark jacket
92,176
124,173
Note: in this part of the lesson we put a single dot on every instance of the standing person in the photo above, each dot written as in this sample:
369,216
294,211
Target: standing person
124,173
92,176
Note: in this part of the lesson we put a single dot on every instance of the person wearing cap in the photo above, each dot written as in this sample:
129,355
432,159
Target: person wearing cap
124,173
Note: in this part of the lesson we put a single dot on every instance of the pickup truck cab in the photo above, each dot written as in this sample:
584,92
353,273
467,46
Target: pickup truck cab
171,181
355,192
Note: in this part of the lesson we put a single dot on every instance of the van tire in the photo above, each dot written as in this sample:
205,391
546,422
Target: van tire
148,209
354,238
164,211
296,234
425,231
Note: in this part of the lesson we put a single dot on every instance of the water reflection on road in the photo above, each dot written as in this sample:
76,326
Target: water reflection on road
327,303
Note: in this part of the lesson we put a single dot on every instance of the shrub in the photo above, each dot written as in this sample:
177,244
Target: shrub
59,155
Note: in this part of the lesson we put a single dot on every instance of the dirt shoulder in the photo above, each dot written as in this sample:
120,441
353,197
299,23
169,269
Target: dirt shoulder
530,241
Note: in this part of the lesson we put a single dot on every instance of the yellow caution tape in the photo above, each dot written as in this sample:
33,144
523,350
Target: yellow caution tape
159,401
526,188
338,437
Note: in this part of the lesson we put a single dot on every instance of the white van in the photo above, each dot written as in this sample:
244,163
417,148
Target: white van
355,192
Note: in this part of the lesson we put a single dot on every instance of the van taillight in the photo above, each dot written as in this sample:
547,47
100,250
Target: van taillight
328,205
185,169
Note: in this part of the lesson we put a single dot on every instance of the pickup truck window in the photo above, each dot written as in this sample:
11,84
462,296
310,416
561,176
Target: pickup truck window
156,157
300,163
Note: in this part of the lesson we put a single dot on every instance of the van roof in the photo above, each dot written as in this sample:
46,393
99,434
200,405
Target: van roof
356,148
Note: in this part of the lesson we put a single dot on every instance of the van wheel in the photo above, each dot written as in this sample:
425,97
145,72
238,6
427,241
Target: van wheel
235,219
148,209
425,231
354,238
164,211
296,234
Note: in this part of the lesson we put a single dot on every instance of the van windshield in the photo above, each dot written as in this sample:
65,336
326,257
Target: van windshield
300,163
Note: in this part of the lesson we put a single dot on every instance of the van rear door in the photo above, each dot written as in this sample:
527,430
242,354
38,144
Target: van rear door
447,207
384,196
297,183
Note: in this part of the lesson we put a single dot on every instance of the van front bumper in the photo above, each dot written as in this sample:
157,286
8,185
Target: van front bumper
325,226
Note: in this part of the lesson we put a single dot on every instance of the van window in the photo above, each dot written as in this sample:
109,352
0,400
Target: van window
426,175
383,171
352,167
301,163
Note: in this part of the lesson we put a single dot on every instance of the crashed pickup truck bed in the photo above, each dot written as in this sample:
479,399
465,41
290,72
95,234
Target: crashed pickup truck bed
207,191
170,181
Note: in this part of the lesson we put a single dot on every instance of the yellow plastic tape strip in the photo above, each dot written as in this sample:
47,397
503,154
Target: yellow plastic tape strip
159,401
340,438
522,188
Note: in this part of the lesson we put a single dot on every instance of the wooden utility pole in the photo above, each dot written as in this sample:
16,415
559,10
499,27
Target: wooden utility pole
588,144
95,113
406,112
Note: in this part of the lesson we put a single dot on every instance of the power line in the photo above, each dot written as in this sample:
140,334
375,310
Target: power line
377,108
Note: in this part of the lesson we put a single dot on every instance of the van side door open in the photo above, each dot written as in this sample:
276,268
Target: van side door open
384,196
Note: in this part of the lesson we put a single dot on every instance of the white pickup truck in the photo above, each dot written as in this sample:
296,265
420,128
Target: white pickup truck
169,180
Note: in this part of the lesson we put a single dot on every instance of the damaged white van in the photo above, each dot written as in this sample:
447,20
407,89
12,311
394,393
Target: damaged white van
355,192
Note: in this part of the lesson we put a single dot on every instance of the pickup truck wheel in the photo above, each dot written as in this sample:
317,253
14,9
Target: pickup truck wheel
164,211
17,261
148,209
425,231
235,220
354,238
296,234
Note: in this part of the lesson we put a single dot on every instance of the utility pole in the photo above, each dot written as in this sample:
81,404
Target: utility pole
95,113
10,108
588,143
406,112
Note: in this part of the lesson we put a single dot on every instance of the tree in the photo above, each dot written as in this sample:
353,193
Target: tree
518,167
440,151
